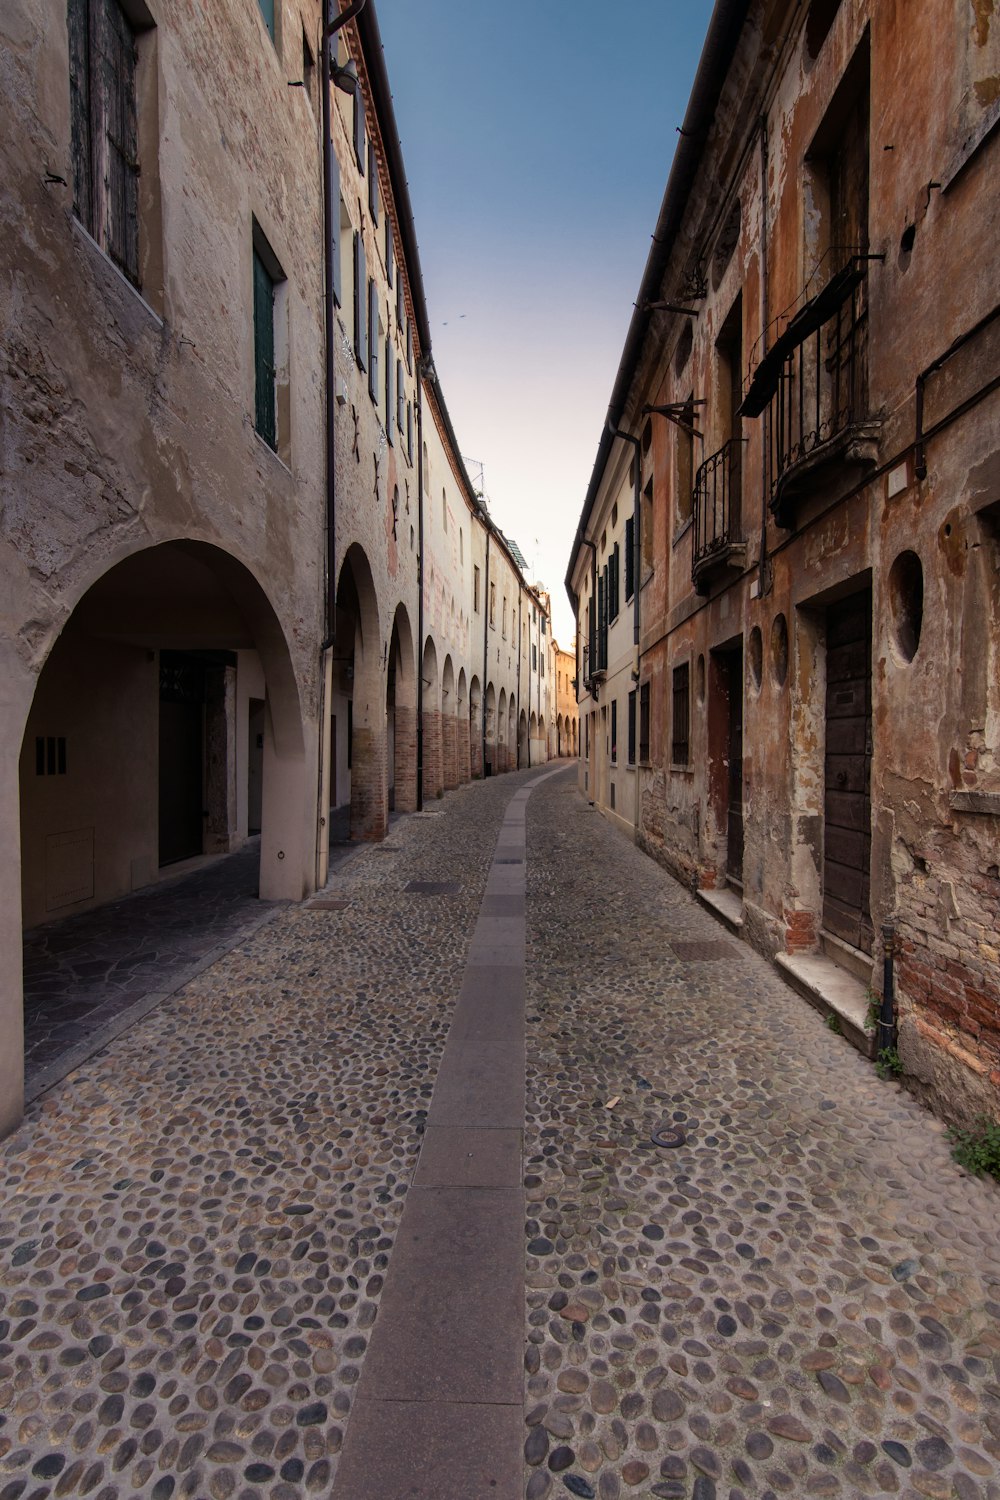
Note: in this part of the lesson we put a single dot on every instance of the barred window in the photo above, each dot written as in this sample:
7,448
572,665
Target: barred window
679,749
644,723
631,728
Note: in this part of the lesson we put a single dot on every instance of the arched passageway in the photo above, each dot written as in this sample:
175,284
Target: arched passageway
164,725
462,744
401,716
511,733
475,729
490,732
357,706
432,784
503,732
523,740
449,749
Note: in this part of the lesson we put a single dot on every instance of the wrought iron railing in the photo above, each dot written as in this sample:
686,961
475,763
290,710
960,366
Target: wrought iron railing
716,517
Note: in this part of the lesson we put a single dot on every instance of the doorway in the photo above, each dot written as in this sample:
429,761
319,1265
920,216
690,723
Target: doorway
181,757
847,833
725,739
255,765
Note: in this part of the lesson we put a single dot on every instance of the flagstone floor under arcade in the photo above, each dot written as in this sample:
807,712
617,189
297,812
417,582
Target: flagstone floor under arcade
371,1208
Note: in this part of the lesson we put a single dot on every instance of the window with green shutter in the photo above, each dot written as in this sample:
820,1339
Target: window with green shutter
360,302
263,352
359,129
631,728
388,389
373,341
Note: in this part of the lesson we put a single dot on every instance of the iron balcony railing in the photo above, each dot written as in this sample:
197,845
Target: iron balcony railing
716,517
812,384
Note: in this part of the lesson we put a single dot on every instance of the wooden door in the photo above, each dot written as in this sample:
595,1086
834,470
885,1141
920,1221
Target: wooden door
734,820
847,808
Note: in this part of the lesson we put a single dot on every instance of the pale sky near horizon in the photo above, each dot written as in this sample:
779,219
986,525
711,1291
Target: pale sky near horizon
537,142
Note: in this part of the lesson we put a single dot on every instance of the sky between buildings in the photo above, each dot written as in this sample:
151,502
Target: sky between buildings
537,140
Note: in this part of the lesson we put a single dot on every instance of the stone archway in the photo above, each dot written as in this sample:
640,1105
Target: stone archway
462,746
152,693
524,756
449,749
511,733
543,740
475,729
358,688
401,715
503,732
432,784
490,732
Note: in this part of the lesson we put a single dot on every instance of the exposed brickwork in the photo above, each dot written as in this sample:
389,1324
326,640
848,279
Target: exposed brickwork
369,787
463,731
449,753
432,783
800,931
406,759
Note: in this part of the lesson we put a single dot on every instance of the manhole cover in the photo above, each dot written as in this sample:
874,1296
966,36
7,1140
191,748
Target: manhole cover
508,861
703,951
385,848
433,887
335,903
669,1136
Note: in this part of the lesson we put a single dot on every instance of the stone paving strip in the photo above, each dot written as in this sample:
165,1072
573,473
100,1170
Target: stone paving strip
802,1298
196,1226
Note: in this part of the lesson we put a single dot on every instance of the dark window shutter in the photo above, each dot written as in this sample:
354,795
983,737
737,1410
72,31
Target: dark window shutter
373,198
338,290
78,26
616,579
373,341
409,430
388,388
113,74
400,304
631,728
400,396
359,129
409,348
360,311
390,250
263,349
614,729
629,557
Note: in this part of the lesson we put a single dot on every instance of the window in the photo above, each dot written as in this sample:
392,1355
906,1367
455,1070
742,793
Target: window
631,728
475,589
614,583
614,731
267,15
265,406
389,250
646,531
409,347
629,556
534,657
104,128
400,305
308,70
543,664
409,430
644,723
373,341
679,750
373,198
389,371
50,755
505,616
684,460
493,605
360,310
400,397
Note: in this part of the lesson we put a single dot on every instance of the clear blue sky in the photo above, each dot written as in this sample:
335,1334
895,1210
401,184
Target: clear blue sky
537,140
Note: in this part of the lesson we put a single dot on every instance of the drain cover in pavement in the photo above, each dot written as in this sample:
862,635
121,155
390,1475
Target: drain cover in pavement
508,861
703,950
433,887
335,903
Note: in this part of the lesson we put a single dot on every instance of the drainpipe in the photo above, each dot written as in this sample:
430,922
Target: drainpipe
486,644
764,314
517,712
420,596
636,556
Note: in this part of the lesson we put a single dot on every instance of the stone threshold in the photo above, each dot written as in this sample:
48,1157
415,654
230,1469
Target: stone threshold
833,991
724,904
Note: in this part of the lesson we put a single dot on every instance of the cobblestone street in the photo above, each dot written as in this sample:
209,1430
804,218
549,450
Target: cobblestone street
197,1226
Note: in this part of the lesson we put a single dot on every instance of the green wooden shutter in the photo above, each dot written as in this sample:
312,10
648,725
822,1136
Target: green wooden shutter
359,129
360,308
388,389
400,396
390,252
409,348
373,198
263,350
373,341
629,557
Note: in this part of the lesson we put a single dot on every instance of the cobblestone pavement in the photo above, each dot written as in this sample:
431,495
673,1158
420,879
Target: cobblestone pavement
196,1225
803,1298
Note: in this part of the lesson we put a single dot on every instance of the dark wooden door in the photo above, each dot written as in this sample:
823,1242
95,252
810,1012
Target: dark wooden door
847,809
182,756
734,821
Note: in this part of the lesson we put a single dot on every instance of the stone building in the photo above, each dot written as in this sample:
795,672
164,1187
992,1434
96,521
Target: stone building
224,453
563,671
786,568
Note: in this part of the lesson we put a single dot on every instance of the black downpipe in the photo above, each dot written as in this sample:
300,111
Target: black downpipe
637,527
517,713
420,597
486,649
764,317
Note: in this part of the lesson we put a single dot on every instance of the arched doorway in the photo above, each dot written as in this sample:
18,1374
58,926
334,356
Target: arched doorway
432,785
172,710
357,704
475,729
503,733
543,743
524,757
490,731
560,735
401,716
511,733
449,751
462,745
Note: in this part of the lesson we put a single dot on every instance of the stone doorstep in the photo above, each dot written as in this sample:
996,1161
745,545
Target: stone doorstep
845,957
724,904
833,991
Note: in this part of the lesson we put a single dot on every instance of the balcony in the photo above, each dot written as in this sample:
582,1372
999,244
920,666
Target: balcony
812,387
718,548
